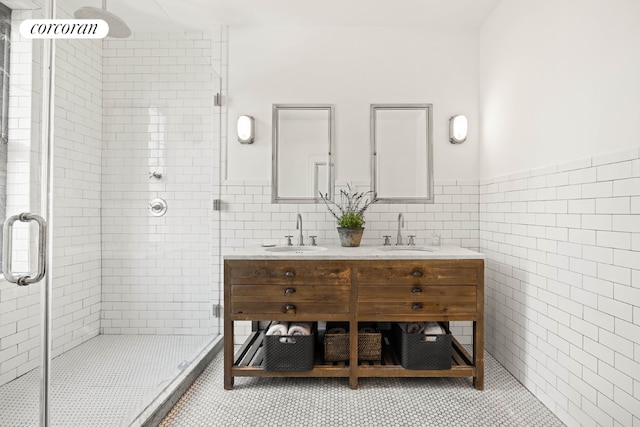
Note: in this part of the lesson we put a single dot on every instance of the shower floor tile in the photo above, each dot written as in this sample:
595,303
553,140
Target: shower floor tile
105,381
377,402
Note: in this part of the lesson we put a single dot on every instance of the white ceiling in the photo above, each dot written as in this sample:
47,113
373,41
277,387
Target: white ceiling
184,15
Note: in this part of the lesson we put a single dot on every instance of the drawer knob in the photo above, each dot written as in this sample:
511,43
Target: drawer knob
289,273
416,291
416,273
289,307
416,306
289,291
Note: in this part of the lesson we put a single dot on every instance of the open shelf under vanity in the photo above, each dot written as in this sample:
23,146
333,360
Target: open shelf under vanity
249,361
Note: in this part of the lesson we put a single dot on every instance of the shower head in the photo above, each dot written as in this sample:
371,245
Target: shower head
117,27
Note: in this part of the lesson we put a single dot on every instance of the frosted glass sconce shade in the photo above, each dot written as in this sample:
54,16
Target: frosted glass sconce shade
458,127
246,129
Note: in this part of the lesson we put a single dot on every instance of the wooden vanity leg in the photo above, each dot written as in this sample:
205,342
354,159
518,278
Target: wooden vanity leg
228,354
353,383
353,355
478,354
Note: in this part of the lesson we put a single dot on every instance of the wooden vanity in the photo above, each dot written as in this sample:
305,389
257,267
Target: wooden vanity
354,286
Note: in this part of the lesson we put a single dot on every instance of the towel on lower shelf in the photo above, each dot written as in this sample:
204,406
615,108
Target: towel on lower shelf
278,329
300,328
337,331
412,327
433,328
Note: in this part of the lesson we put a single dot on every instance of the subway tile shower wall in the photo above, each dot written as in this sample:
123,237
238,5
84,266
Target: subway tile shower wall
563,284
159,117
249,218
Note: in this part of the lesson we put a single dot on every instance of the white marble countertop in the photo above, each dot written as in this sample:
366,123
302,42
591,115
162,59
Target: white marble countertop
361,252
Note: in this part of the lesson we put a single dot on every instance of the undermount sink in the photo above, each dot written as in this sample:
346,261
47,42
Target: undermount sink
408,248
296,249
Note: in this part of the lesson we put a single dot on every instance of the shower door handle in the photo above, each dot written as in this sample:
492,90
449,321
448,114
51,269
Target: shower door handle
7,247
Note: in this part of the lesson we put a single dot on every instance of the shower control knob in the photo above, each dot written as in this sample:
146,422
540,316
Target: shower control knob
158,207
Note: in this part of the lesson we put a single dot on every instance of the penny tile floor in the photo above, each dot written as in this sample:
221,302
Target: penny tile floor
376,402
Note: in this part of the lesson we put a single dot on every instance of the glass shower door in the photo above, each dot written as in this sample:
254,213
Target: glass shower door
135,126
26,235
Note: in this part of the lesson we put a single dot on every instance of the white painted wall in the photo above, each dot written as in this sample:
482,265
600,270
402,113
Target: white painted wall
559,81
560,215
352,67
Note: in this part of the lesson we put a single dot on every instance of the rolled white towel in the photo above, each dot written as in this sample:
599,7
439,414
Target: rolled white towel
300,328
278,329
412,327
433,328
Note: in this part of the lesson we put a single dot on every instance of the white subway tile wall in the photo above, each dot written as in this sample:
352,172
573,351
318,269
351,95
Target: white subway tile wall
249,218
159,116
563,284
77,186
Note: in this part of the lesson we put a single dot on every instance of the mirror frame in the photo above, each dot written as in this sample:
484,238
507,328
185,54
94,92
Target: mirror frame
275,197
374,159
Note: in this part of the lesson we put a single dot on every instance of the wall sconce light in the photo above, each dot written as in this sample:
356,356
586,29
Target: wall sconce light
458,127
246,129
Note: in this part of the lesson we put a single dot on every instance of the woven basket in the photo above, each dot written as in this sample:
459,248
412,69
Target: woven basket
336,346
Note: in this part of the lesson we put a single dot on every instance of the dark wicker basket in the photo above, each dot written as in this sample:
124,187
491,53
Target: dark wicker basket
289,353
336,346
420,351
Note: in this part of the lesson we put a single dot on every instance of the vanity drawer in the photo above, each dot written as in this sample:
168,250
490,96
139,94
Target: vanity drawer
434,272
240,272
416,300
293,309
290,293
402,309
382,293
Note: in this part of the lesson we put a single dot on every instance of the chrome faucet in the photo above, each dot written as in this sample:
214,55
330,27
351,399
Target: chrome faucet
299,227
400,224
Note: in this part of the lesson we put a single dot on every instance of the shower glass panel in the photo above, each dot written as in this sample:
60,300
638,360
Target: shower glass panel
133,290
20,326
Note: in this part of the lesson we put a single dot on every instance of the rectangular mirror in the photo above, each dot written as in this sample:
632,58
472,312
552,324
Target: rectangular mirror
402,160
302,147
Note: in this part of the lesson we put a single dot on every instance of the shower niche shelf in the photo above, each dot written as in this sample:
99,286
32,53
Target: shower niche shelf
354,291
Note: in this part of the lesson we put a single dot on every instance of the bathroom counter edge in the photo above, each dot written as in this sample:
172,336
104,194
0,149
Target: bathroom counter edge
364,252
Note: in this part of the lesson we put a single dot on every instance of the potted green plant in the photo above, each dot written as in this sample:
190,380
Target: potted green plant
350,214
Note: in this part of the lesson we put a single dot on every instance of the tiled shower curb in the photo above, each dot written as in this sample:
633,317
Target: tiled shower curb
153,413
